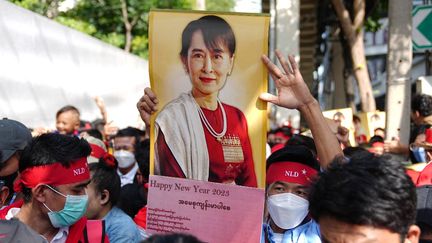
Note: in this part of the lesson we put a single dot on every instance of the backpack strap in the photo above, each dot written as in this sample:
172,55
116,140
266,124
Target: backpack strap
95,232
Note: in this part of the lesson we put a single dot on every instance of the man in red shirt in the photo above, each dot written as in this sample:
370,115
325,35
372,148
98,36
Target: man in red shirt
53,176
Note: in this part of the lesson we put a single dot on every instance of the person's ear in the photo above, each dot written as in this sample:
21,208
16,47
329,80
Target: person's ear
184,62
77,125
104,197
4,193
413,234
39,193
231,64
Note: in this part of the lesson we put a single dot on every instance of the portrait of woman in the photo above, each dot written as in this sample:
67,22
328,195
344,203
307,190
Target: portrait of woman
197,135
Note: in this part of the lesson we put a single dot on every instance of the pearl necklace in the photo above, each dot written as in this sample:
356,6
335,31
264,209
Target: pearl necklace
218,136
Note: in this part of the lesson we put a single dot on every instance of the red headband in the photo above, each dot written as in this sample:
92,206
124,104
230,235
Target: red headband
291,172
281,134
56,174
97,151
378,144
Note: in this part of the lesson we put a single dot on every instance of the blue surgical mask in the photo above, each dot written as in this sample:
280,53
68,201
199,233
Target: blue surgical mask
74,208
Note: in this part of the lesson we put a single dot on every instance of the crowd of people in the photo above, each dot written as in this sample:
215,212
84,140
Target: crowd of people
85,183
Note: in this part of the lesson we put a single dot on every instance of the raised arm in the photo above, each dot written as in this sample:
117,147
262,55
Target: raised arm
101,105
293,93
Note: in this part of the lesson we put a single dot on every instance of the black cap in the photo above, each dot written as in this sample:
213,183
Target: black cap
13,136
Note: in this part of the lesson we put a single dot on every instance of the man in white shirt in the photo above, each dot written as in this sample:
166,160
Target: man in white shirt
125,143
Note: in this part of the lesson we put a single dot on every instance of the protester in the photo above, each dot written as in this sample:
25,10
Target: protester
14,136
368,199
53,177
379,132
290,171
421,115
103,193
425,175
376,145
282,135
294,94
68,120
125,143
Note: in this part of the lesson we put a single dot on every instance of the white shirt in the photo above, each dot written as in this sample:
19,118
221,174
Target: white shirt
128,177
60,237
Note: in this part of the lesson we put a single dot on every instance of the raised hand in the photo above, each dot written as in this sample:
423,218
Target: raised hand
147,105
101,105
293,93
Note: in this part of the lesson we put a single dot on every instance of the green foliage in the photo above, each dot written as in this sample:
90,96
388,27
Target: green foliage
42,7
372,23
220,5
77,24
113,38
140,46
106,17
103,19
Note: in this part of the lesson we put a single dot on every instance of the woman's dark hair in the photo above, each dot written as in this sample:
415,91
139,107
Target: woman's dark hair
142,155
132,199
368,190
52,148
351,151
215,31
298,139
105,177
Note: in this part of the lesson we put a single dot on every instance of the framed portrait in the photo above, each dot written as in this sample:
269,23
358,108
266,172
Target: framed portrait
372,121
206,71
342,117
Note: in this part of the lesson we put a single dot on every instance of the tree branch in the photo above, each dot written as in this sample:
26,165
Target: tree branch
345,20
135,20
359,14
125,15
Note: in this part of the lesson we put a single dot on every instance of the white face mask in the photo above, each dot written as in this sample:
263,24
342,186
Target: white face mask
287,210
124,158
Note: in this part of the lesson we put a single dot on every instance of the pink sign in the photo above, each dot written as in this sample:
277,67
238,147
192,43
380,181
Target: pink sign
213,212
